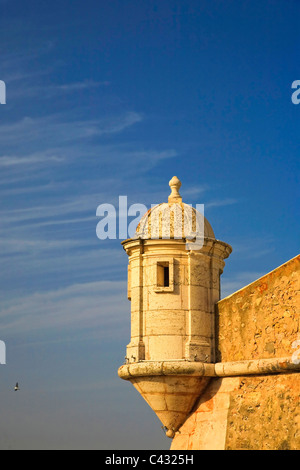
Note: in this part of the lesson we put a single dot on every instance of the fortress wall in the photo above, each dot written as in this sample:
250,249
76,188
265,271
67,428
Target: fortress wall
256,412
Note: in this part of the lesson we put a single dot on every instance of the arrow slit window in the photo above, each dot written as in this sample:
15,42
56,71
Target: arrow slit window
164,276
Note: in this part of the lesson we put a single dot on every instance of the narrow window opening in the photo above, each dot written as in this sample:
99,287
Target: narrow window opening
163,274
166,276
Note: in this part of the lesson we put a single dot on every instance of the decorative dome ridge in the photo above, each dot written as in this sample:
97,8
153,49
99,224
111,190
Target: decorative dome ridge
173,219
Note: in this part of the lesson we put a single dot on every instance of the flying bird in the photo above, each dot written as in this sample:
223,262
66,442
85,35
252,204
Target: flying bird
17,387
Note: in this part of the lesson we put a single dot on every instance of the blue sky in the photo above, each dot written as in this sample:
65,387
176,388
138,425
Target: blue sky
109,98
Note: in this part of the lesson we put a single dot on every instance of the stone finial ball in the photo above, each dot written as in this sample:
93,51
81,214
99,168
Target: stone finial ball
170,433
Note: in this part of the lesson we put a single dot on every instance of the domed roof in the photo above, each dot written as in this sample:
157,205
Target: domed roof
174,219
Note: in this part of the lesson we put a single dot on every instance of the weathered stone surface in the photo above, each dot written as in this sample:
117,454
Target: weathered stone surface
257,325
171,397
261,320
206,426
245,413
264,414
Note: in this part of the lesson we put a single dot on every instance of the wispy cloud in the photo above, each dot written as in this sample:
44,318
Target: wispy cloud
45,92
68,206
196,190
55,128
17,246
42,143
54,271
221,203
37,188
18,63
12,160
70,87
229,285
95,307
253,247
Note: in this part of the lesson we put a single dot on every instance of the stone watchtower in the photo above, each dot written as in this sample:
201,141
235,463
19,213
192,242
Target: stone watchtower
175,263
